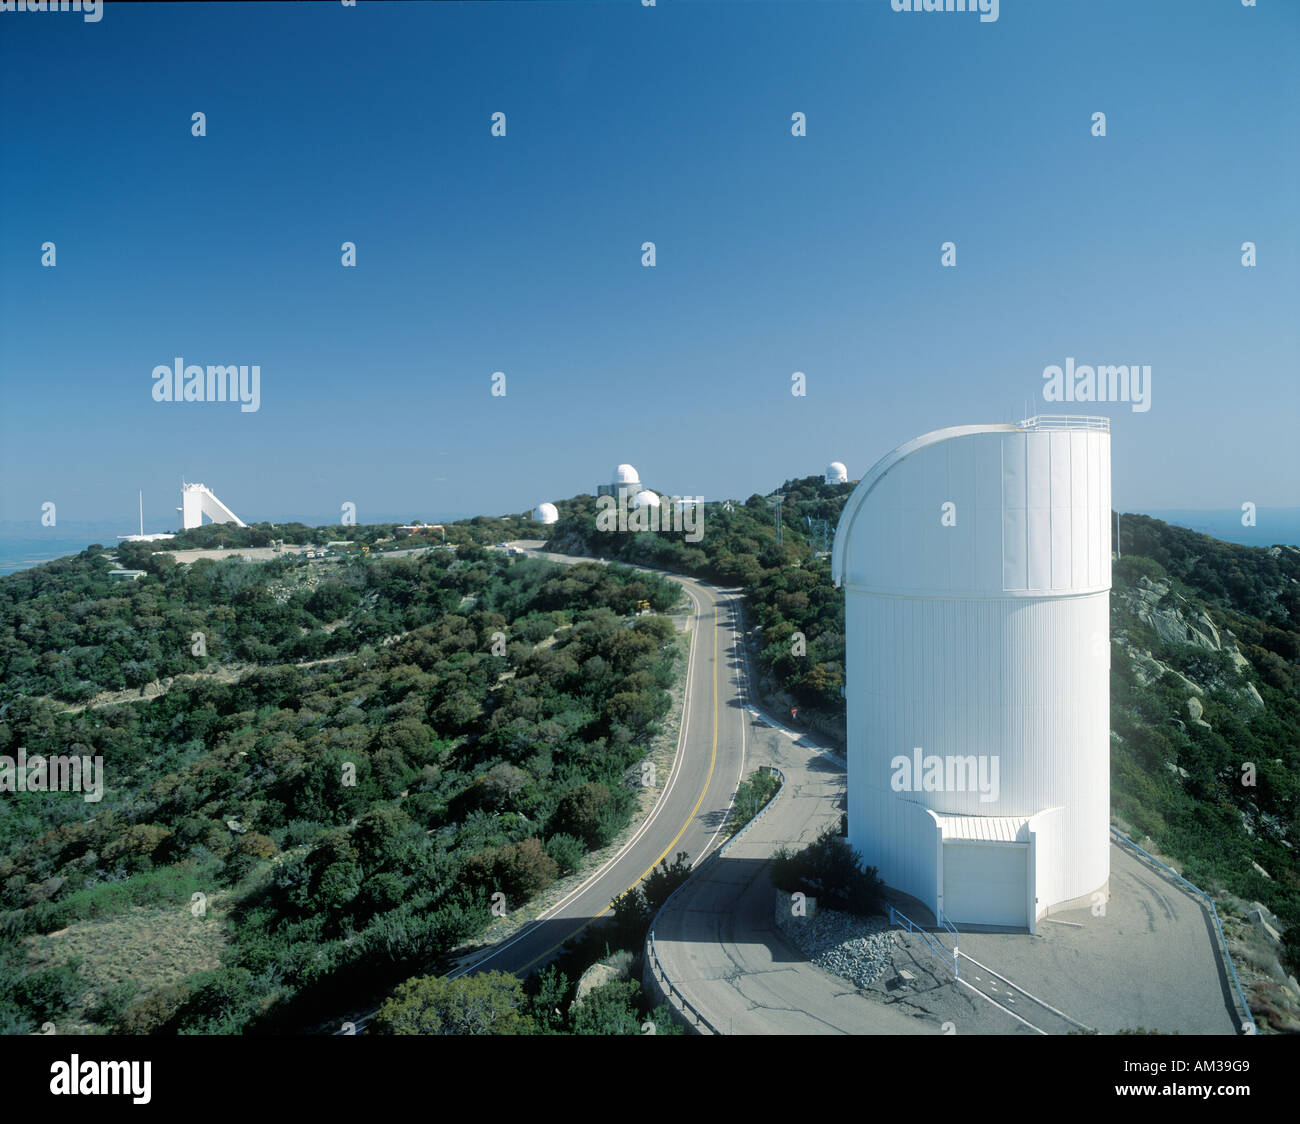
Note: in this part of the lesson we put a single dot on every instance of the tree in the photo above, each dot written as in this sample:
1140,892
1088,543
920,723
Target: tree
567,851
609,1009
501,784
519,870
664,879
551,1000
578,813
491,1003
831,870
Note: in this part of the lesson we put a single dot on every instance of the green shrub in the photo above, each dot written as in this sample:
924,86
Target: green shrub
831,871
568,852
49,993
751,796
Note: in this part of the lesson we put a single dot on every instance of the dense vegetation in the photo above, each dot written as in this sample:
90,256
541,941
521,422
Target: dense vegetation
831,871
462,724
1220,792
795,610
496,1003
482,529
751,795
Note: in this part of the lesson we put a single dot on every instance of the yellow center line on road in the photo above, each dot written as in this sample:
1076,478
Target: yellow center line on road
713,759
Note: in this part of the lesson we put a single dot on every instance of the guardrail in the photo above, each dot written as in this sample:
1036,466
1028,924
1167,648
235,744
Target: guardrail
652,958
1244,1017
1066,421
943,920
940,953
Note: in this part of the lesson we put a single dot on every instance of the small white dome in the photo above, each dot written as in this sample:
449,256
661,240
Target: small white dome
836,473
645,499
625,474
545,513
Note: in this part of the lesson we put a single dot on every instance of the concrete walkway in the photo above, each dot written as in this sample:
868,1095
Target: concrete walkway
718,942
1149,961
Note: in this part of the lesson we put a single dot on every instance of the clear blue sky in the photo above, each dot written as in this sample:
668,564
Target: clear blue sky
523,254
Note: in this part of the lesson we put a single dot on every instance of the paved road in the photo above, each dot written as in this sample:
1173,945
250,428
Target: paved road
692,811
717,939
1149,961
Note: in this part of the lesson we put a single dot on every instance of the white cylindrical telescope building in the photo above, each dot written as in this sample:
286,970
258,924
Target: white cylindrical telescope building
836,473
976,567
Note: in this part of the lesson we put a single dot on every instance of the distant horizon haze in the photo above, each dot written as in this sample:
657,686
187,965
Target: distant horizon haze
654,223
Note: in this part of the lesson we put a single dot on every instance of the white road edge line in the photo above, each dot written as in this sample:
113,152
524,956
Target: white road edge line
649,821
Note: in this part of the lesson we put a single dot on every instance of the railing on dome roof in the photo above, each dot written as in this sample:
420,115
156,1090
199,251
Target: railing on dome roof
1065,421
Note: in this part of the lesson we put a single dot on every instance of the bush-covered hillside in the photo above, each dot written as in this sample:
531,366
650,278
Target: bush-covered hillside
371,750
788,587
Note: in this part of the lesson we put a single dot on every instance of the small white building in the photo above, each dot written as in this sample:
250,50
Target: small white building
976,567
836,473
546,513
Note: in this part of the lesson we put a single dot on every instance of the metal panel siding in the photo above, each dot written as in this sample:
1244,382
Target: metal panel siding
985,829
1015,549
1061,511
1038,486
1011,680
987,639
986,563
1081,543
1051,859
1098,517
1015,543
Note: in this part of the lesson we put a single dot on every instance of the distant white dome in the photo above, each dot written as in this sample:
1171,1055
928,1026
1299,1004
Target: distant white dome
645,499
625,475
545,513
836,473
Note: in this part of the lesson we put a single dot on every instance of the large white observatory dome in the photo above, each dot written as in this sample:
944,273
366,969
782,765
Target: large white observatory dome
625,476
645,499
545,513
836,473
976,567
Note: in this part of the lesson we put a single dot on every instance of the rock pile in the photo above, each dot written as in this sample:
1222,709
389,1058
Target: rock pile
858,949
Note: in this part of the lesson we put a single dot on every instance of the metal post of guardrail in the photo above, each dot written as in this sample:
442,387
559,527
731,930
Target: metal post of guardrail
896,917
687,1008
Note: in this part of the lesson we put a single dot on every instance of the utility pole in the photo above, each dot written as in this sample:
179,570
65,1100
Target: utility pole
775,502
820,531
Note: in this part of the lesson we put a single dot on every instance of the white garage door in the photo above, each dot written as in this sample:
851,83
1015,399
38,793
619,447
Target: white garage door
986,883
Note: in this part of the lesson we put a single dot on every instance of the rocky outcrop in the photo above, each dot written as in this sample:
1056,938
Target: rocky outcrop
1173,618
1176,621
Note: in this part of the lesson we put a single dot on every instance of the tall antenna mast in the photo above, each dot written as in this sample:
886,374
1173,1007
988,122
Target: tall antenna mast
142,514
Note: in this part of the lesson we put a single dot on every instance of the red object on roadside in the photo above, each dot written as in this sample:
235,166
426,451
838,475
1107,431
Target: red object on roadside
794,712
